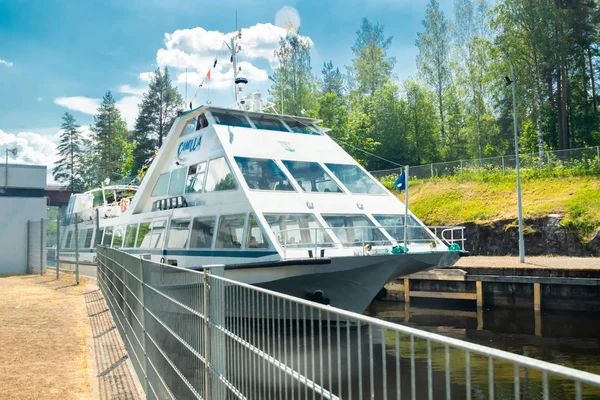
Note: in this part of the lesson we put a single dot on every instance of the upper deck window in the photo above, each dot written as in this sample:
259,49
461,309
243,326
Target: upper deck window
394,225
354,230
195,178
269,123
312,177
302,127
231,119
219,176
161,186
189,128
263,174
355,179
177,181
298,230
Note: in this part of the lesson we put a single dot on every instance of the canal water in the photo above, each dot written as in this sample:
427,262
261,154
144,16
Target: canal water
568,338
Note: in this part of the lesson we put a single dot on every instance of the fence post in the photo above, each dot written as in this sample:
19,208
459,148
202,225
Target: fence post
461,164
143,321
76,251
502,165
28,244
57,254
42,263
548,158
214,311
598,154
431,170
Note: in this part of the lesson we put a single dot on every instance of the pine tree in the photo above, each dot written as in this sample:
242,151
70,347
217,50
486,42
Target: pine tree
294,87
157,111
109,131
372,65
68,167
434,46
333,80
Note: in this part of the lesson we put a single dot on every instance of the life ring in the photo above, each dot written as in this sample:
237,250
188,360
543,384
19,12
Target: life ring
124,204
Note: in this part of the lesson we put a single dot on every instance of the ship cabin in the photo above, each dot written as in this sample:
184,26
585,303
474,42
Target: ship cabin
242,186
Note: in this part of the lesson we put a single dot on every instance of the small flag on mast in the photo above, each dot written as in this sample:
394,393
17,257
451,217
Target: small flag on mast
401,182
215,63
208,74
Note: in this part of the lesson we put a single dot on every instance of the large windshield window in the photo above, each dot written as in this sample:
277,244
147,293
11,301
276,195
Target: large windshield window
108,235
178,234
269,123
394,225
143,237
219,176
312,177
298,230
202,233
302,127
118,238
157,237
223,118
355,179
263,174
177,182
355,230
160,189
195,178
130,235
231,231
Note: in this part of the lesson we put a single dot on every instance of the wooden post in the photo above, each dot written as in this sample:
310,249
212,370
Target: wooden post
406,290
537,297
538,323
479,318
479,289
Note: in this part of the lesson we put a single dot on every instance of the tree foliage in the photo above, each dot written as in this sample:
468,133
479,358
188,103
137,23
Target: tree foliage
68,167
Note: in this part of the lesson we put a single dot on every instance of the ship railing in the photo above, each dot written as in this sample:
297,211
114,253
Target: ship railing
313,242
196,334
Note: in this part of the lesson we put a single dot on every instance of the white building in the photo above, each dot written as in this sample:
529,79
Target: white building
22,198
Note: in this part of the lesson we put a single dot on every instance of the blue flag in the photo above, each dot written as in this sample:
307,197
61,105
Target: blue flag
401,182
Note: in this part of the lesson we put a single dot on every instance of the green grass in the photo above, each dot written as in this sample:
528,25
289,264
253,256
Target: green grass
485,196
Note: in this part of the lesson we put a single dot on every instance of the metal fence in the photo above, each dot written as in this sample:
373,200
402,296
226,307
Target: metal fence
36,246
196,334
587,158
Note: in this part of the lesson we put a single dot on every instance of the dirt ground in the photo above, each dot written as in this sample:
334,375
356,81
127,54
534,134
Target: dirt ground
58,341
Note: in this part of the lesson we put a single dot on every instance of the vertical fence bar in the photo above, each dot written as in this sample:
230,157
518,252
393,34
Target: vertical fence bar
42,246
468,373
57,253
28,266
598,155
76,251
503,168
517,380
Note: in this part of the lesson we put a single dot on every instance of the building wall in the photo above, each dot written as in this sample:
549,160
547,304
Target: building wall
21,201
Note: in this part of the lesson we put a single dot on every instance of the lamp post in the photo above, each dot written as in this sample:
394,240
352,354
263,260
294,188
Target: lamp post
14,153
521,240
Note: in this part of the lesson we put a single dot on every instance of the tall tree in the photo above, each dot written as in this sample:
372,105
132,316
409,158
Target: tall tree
423,127
372,65
293,85
109,131
333,80
157,111
432,60
68,167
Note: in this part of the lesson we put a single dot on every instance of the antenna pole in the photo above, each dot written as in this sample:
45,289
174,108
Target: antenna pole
186,85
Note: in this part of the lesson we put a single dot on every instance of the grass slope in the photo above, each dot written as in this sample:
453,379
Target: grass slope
483,197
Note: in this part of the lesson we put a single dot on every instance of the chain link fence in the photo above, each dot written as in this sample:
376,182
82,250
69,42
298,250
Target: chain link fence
36,246
583,159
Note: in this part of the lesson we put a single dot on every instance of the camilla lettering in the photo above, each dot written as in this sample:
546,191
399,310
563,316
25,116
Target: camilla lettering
189,145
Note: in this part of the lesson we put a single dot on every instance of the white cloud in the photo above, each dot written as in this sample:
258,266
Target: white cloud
287,15
128,106
196,49
6,63
146,76
128,89
32,148
82,104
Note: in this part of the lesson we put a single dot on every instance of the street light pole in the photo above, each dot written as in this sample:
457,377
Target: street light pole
521,240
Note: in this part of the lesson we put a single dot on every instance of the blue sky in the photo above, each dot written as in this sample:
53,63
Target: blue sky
58,56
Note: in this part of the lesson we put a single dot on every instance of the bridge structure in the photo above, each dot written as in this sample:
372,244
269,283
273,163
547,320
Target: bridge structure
197,334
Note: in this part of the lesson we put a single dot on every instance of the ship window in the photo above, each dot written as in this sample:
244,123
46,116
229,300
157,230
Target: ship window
202,233
85,238
108,234
178,233
302,127
255,239
190,127
394,225
219,176
118,238
130,235
355,230
68,241
177,182
161,186
225,118
195,178
269,123
298,230
263,174
355,179
231,231
143,239
312,177
157,237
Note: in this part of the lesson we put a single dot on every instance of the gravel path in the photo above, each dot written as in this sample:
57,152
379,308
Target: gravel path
530,262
